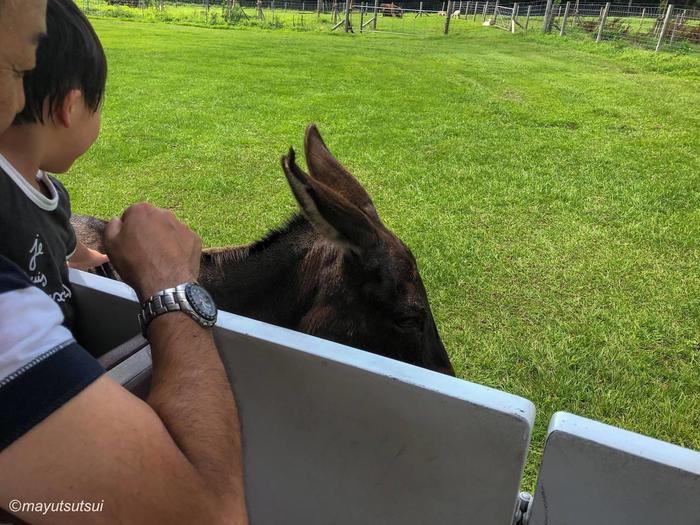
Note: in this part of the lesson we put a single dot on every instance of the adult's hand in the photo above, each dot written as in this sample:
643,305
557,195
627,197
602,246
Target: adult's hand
151,250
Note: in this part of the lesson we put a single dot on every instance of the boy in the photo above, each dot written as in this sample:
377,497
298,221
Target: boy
60,121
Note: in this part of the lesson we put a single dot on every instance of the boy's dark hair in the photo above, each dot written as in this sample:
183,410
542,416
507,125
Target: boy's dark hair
70,57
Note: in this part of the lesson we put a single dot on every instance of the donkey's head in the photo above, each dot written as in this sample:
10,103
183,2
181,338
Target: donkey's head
364,281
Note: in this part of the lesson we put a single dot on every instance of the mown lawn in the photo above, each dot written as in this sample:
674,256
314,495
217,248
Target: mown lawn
550,190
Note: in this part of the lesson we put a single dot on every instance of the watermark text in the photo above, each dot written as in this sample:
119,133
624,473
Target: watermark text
46,507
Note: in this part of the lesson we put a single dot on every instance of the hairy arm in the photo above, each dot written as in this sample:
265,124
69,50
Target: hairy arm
176,458
191,394
107,446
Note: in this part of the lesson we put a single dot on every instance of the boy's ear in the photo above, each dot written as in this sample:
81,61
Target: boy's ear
64,112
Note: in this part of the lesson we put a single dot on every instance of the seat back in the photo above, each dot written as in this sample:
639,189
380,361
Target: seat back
337,435
593,473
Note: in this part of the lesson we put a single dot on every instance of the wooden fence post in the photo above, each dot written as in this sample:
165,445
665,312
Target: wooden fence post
527,17
448,16
476,8
547,17
603,17
459,9
362,17
512,18
348,6
376,15
486,8
495,11
566,16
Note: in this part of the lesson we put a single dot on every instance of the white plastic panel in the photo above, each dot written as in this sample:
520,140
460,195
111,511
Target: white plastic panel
107,311
593,473
335,435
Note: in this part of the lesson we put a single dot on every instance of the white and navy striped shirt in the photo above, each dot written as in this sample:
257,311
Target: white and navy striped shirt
41,365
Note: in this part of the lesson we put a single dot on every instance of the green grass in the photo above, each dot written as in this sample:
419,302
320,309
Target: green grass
550,189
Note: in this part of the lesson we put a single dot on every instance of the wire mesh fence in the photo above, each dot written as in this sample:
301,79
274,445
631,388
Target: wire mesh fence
326,15
648,26
651,27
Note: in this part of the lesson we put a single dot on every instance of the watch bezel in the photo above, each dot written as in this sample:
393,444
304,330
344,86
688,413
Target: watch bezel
193,304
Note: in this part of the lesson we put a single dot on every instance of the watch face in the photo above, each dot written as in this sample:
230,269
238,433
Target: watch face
201,301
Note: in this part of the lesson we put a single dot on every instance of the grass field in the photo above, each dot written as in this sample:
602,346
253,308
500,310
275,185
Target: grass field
549,189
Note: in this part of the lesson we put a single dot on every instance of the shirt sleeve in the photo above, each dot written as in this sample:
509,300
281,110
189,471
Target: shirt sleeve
41,365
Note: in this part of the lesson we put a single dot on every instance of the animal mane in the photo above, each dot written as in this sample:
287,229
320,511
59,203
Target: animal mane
294,223
221,257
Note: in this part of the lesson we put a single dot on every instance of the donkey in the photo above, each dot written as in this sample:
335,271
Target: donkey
333,271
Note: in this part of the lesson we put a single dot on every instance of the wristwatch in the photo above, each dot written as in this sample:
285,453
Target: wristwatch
190,298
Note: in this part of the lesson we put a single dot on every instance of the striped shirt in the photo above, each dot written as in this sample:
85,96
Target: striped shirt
41,365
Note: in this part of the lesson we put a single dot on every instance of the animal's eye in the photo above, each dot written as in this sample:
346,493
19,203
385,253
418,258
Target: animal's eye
412,320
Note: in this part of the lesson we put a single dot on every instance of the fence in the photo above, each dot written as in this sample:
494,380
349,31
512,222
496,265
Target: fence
651,27
648,26
325,15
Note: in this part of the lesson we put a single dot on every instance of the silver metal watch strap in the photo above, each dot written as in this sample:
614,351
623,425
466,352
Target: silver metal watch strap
168,300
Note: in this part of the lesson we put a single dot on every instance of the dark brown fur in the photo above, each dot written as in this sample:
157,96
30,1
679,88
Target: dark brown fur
335,271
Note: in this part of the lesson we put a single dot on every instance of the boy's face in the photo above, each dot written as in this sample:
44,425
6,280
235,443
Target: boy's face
87,128
22,24
78,128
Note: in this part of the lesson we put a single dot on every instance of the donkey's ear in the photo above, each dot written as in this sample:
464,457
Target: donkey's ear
329,212
325,168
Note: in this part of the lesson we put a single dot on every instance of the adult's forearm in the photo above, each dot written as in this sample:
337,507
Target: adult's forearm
191,394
